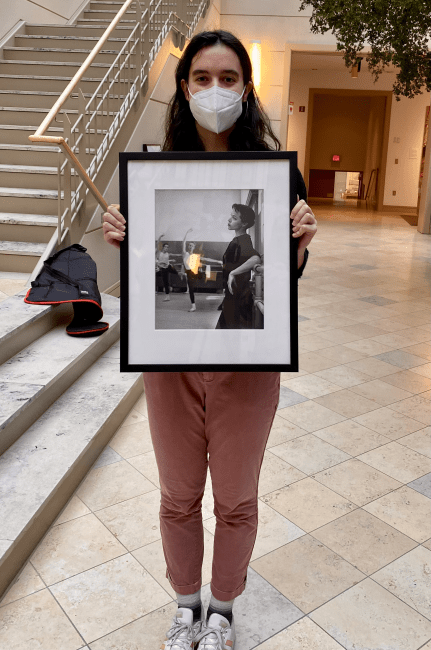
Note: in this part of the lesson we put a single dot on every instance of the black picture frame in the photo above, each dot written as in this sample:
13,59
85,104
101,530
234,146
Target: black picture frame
149,180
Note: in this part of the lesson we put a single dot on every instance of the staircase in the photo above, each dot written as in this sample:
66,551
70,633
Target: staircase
33,73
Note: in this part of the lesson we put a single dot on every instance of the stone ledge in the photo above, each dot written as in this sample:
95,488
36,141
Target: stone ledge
41,470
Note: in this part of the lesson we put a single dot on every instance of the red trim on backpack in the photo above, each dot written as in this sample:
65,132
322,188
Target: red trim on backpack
59,302
100,329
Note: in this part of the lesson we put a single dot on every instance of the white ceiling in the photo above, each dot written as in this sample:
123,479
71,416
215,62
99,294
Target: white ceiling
330,61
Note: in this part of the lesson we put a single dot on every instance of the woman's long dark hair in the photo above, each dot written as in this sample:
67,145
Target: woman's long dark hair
252,129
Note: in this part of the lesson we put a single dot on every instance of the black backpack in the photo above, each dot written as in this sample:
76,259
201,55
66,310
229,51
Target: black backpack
70,275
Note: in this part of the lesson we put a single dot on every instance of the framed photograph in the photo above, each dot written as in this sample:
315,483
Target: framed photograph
208,263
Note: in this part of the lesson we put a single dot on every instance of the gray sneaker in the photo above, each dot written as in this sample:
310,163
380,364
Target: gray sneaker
183,631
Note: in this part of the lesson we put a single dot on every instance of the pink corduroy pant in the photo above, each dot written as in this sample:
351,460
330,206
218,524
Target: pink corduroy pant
227,415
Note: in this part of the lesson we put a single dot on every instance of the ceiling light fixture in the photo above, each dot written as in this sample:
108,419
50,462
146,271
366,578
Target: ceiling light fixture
256,62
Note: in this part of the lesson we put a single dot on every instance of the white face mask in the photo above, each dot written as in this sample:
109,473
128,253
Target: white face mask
216,109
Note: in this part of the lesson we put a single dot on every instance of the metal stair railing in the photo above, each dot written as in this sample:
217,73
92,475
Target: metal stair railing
102,116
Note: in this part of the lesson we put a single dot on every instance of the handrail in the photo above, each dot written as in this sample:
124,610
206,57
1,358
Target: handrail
110,104
39,136
36,137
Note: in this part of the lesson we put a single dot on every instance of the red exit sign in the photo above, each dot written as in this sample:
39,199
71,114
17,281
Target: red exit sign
336,158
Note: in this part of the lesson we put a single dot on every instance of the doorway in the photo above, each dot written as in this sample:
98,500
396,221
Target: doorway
347,132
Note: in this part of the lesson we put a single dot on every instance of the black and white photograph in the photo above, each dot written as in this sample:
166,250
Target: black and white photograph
208,259
208,270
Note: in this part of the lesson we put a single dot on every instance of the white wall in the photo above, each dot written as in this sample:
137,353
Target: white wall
277,22
44,12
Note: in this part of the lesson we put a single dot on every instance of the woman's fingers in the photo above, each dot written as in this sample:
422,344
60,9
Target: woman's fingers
113,226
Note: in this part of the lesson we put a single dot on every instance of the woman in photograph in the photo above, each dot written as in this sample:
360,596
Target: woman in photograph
239,258
163,264
192,262
224,415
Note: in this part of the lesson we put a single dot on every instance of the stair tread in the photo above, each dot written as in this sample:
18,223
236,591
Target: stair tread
77,27
44,454
26,109
46,77
62,64
65,38
52,49
23,247
22,127
38,364
28,219
27,147
28,169
28,192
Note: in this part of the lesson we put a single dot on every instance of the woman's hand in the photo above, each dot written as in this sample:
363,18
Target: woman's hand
231,282
113,226
304,224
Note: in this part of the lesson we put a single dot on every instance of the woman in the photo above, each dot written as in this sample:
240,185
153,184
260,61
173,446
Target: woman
240,257
164,265
192,262
228,415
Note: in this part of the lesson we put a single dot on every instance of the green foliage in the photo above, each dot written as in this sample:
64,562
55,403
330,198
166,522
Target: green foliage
397,31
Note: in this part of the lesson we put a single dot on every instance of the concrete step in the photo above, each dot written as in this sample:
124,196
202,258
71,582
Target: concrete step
77,31
52,68
24,116
48,83
66,43
20,256
30,177
109,6
57,53
105,22
36,99
42,469
28,201
16,227
109,15
45,368
17,134
31,154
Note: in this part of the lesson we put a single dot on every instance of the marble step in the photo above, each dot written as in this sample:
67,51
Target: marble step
31,154
30,177
41,470
28,201
57,53
50,68
36,99
38,374
66,43
109,14
16,227
20,256
17,134
77,31
105,22
106,5
47,82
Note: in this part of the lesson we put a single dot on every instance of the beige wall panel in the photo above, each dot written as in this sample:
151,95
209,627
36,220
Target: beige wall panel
263,7
12,12
165,86
274,31
212,19
271,100
275,125
272,68
339,127
407,124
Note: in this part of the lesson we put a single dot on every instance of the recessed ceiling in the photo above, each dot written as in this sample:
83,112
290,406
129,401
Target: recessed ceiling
330,61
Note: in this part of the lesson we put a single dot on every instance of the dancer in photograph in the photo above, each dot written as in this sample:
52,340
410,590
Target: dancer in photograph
163,264
239,258
216,419
192,262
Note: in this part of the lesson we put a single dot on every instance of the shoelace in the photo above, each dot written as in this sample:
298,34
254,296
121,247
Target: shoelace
176,629
214,636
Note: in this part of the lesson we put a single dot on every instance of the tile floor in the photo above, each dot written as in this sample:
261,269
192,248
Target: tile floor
343,552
